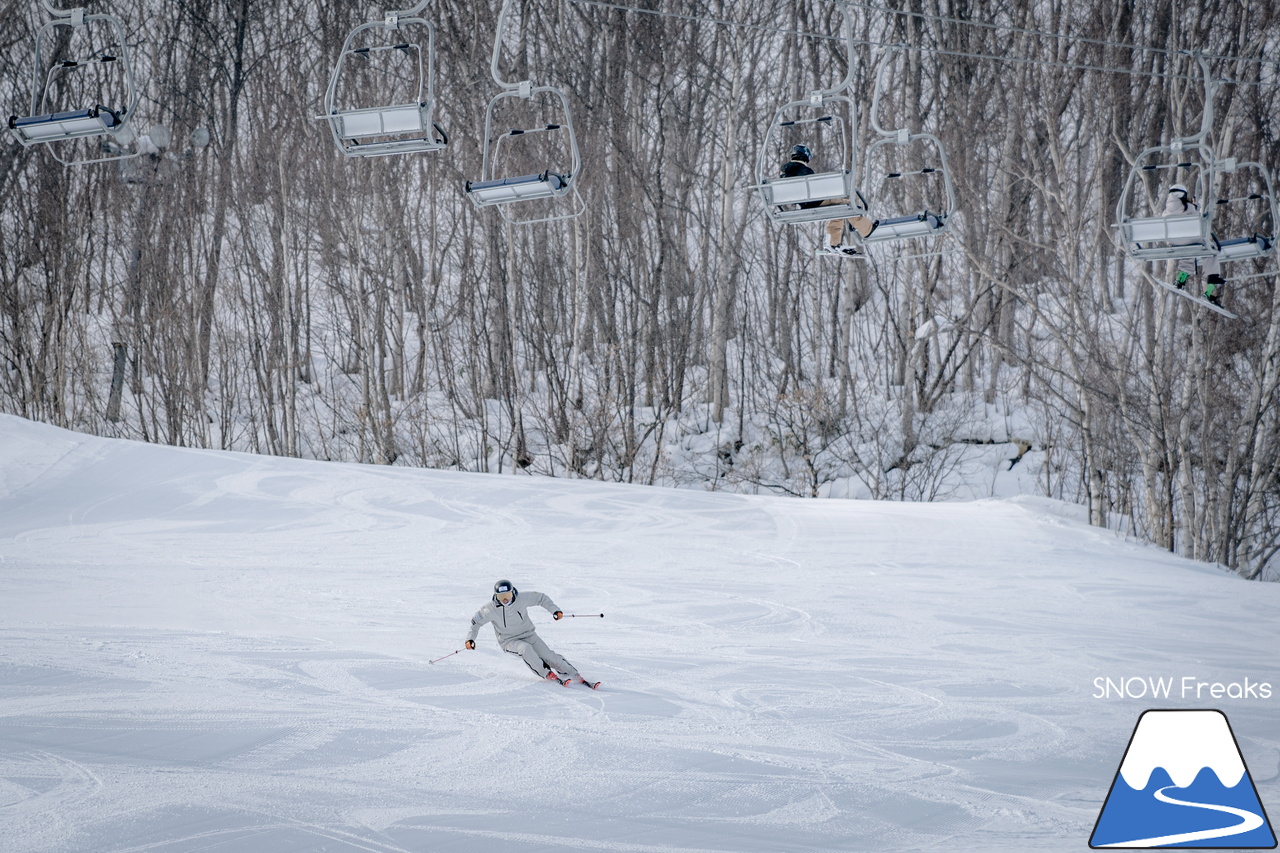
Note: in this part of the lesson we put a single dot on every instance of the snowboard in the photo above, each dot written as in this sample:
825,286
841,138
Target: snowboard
1199,300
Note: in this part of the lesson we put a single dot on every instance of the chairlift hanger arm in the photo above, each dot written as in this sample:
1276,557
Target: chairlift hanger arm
846,29
1211,87
886,59
76,15
391,19
524,87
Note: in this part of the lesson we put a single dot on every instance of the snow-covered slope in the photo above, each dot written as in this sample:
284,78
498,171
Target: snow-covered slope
205,651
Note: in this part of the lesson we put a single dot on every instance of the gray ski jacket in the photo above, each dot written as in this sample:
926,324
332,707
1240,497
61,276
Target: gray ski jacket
511,622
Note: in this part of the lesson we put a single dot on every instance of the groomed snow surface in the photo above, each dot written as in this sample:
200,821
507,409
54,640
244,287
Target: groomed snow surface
205,651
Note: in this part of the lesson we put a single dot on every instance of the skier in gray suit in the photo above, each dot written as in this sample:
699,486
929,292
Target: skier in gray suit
508,611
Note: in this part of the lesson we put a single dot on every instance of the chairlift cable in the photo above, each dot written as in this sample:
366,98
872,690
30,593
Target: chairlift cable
720,21
1044,33
935,50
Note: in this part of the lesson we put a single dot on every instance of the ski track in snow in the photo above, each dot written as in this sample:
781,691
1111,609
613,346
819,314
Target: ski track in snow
223,652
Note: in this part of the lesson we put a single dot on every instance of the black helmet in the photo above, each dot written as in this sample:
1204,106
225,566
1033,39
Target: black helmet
504,586
800,152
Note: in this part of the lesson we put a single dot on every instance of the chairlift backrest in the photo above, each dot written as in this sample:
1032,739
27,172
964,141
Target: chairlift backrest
104,114
402,122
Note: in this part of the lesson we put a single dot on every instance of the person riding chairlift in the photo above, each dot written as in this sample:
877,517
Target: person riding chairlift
797,166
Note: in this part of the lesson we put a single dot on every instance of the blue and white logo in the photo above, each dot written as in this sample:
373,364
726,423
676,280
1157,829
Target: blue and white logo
1183,783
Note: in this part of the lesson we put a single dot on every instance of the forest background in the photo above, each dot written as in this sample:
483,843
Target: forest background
259,292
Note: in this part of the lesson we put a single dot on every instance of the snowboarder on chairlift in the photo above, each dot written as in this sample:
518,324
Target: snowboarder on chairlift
1180,203
508,611
799,165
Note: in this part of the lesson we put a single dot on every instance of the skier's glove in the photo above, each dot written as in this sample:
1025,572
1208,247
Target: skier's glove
471,644
558,615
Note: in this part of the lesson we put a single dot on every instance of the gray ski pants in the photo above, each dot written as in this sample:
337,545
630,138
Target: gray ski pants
1192,266
539,656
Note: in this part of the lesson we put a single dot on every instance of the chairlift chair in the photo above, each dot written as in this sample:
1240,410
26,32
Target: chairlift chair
46,125
509,189
931,216
552,181
406,125
798,200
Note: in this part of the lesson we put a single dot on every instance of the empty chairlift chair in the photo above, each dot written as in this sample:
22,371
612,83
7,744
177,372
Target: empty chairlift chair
539,162
552,181
106,102
926,205
381,96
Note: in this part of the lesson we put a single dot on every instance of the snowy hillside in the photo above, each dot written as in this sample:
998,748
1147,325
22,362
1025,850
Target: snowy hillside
204,651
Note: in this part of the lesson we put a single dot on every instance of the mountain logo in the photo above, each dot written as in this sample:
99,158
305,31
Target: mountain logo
1183,783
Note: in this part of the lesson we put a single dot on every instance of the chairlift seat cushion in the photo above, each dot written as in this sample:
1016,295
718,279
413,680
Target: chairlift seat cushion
1243,248
903,227
73,124
517,188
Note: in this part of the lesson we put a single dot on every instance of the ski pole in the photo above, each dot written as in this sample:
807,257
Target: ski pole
583,615
451,654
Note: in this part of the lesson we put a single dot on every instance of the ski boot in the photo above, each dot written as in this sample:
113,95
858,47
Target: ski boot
1213,290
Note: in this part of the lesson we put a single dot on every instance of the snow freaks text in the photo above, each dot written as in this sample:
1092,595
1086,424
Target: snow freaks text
1187,687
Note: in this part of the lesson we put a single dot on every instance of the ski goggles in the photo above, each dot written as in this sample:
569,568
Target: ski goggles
504,597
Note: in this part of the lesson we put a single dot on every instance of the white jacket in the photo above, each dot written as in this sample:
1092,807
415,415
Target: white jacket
510,622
